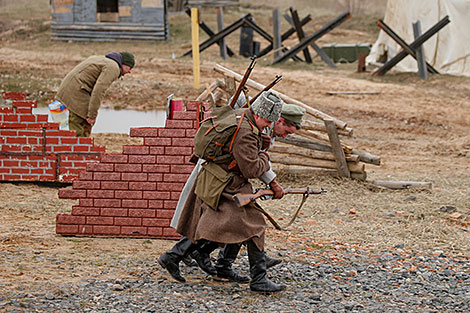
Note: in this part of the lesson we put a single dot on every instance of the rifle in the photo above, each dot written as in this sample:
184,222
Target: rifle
243,81
242,199
271,85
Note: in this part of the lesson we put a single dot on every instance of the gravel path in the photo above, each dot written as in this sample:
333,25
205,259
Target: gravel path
333,279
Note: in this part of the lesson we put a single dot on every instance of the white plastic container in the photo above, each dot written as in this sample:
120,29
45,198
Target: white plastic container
59,114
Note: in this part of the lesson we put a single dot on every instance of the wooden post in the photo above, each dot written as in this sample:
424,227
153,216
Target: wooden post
277,33
300,33
422,69
337,149
220,26
195,46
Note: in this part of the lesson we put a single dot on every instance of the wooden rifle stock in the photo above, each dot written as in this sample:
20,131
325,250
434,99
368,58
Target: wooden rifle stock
242,199
271,85
243,81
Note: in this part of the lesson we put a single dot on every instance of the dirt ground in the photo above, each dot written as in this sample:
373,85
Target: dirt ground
419,128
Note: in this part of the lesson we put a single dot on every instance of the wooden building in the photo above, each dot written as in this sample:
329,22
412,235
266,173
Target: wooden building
109,20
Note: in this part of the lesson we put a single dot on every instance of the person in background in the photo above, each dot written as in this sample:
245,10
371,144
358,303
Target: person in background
83,88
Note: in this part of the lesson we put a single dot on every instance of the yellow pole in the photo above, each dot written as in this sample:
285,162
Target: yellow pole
195,38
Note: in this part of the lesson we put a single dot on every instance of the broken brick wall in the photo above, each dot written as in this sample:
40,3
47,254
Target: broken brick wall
134,193
32,149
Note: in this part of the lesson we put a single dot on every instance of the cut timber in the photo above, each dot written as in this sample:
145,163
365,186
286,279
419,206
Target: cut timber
323,138
338,151
366,157
333,93
355,167
305,143
311,125
230,85
253,84
285,149
313,171
401,184
208,91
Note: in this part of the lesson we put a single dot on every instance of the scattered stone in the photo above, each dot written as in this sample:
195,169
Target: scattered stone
448,209
410,198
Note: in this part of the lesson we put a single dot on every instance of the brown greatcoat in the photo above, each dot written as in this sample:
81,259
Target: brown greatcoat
84,87
229,223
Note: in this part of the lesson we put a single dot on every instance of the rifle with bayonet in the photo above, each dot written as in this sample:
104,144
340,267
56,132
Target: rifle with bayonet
271,85
242,199
248,199
243,81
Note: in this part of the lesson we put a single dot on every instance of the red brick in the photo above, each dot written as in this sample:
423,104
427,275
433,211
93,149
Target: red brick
171,132
99,220
142,158
170,232
10,132
114,158
67,193
128,221
173,159
85,140
85,229
50,141
128,149
182,142
113,212
169,204
101,194
181,115
187,159
69,140
106,230
76,210
157,168
142,186
126,194
155,231
61,133
190,133
170,186
161,195
107,203
69,219
133,231
33,141
165,214
155,204
157,141
128,167
141,213
192,105
115,185
10,118
11,148
24,103
144,132
175,195
6,110
98,149
106,176
181,169
66,229
156,222
134,176
16,140
11,163
179,124
100,167
157,150
134,203
85,202
27,118
156,177
63,148
30,133
175,178
13,95
81,148
86,184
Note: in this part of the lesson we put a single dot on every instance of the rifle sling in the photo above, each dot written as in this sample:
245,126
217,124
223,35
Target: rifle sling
256,206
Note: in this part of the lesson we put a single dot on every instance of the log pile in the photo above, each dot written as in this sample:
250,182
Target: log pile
318,148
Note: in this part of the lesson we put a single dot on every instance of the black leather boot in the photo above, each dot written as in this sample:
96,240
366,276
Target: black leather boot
202,257
259,282
227,256
270,262
170,259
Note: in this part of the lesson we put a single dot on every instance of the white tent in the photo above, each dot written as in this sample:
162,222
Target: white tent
448,51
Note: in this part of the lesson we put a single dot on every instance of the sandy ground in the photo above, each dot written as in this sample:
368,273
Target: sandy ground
419,128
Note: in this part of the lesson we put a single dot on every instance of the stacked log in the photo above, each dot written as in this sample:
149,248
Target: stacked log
318,148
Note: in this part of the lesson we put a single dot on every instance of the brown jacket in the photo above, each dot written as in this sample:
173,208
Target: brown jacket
229,223
84,87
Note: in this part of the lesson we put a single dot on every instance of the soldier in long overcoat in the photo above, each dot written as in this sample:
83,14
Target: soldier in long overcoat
226,223
83,88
